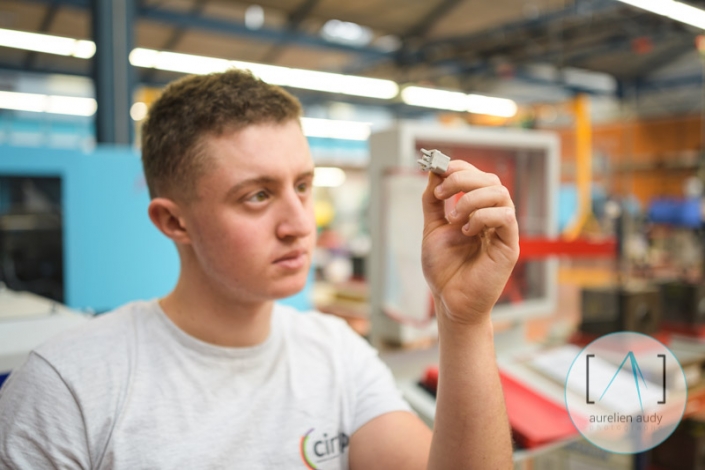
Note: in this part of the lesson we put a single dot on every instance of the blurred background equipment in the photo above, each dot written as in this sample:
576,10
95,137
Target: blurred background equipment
609,309
26,321
31,235
525,161
683,302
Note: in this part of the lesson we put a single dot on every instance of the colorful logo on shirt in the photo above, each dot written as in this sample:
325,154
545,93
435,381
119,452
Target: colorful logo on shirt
317,449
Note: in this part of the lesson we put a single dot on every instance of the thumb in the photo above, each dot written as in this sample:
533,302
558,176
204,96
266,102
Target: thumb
434,213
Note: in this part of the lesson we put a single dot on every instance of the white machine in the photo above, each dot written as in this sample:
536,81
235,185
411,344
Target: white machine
526,161
26,321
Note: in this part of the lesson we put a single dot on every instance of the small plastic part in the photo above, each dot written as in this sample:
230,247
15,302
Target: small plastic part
434,160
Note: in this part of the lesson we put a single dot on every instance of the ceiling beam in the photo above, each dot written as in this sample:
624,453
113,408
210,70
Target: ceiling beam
577,11
234,28
663,58
438,51
296,17
214,25
178,33
430,19
616,44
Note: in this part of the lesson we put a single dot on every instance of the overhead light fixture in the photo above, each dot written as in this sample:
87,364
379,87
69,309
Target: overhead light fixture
189,63
345,32
254,17
276,75
47,43
176,62
458,101
492,106
433,98
334,129
675,10
138,111
71,105
328,177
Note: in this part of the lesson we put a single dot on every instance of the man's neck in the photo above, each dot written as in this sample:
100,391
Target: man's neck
209,316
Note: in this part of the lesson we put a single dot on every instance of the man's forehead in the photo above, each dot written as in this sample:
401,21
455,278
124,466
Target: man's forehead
259,144
273,153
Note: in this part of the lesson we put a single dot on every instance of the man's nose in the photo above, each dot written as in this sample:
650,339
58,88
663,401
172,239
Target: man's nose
296,216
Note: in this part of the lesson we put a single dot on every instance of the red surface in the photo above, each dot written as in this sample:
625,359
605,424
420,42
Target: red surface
543,247
534,419
430,378
583,339
685,329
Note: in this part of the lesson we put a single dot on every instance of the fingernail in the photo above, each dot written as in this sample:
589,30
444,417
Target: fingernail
439,190
454,214
466,227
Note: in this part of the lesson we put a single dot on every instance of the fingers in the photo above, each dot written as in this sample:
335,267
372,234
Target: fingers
486,204
502,219
489,196
433,207
462,176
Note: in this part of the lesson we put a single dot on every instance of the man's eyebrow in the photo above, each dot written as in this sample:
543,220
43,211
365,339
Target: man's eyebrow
261,180
305,174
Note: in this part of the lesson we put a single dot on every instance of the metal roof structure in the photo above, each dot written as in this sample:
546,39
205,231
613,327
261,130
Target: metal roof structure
445,43
466,45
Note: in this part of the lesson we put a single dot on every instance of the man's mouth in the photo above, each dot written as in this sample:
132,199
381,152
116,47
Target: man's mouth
292,260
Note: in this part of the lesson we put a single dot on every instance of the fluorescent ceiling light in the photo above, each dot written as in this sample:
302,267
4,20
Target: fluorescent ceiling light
501,107
432,98
457,101
37,103
332,129
284,76
47,43
189,63
328,177
675,10
175,62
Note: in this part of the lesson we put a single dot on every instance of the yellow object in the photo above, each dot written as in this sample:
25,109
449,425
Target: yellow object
324,212
583,167
148,95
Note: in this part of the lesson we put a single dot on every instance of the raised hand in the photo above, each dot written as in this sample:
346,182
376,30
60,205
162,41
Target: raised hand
468,255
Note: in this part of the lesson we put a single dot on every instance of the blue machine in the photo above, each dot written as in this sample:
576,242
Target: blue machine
676,212
112,254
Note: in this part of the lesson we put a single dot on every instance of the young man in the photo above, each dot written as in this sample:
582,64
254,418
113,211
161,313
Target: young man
215,375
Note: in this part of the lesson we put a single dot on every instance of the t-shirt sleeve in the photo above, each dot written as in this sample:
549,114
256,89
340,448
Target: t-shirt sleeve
375,391
41,426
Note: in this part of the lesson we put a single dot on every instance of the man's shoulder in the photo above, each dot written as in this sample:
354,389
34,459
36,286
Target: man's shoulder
99,339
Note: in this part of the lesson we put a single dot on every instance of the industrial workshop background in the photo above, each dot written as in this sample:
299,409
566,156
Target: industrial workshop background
590,111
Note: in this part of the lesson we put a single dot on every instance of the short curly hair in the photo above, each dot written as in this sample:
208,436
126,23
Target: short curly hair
198,106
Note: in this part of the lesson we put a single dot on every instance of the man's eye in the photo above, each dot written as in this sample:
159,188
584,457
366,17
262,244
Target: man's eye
302,187
259,197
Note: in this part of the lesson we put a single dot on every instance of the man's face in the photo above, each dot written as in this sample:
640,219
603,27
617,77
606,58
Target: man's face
252,227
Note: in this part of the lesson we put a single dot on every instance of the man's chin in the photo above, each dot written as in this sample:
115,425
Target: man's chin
289,288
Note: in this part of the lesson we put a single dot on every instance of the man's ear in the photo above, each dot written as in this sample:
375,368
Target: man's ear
166,215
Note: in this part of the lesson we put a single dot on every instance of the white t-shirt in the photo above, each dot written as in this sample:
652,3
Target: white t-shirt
130,390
